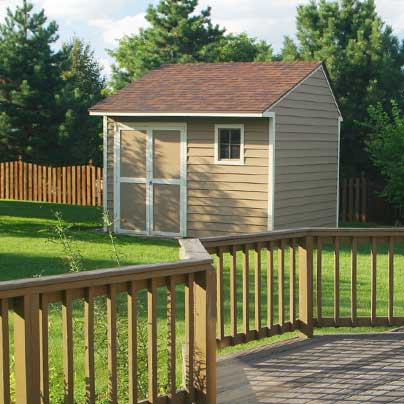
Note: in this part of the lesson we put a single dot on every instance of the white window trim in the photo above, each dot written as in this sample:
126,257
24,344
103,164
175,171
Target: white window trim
238,162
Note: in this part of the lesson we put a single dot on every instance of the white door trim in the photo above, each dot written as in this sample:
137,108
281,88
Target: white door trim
149,127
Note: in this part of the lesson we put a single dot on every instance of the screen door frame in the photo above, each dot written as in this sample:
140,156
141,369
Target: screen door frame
149,127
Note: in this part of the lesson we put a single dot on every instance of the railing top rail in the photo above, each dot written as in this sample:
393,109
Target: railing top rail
99,277
250,238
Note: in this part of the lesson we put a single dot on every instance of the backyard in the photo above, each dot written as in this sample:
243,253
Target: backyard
29,247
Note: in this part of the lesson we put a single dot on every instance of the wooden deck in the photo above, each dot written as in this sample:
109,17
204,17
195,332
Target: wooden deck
361,368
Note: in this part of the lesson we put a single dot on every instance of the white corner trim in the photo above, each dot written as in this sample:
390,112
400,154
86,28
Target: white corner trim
271,172
105,165
181,114
241,160
299,84
340,120
117,175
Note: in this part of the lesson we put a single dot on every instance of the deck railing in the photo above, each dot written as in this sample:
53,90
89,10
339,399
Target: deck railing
264,284
269,283
29,300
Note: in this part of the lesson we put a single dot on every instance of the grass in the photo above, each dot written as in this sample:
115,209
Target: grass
26,250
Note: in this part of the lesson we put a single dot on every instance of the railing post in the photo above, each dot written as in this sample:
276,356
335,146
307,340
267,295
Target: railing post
205,337
306,286
26,349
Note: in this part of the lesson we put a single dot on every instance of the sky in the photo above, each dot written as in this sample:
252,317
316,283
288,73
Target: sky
103,22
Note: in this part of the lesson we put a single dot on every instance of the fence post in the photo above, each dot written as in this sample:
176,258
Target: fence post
306,286
205,337
26,349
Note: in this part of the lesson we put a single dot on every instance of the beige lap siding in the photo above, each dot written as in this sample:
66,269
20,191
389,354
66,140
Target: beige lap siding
225,199
222,199
306,158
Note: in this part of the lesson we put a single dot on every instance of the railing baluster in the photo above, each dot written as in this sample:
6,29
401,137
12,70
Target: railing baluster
246,291
281,283
26,352
319,280
391,281
373,281
189,336
257,288
4,353
220,295
354,261
171,340
43,349
306,286
67,319
89,345
233,292
270,286
336,281
132,343
112,354
292,283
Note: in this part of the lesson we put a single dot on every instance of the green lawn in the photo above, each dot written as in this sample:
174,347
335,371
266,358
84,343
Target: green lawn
27,249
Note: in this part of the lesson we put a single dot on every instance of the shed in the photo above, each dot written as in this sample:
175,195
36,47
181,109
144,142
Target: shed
203,149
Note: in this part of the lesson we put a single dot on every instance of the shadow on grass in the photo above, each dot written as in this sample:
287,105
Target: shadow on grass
44,210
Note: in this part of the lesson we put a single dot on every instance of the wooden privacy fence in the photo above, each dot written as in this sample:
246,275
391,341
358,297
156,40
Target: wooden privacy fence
81,185
354,196
276,283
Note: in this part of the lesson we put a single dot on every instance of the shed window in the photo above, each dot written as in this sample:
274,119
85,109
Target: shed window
229,144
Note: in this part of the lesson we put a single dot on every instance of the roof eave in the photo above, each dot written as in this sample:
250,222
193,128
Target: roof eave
181,114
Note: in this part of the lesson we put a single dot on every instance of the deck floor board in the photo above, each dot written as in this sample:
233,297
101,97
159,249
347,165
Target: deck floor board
344,368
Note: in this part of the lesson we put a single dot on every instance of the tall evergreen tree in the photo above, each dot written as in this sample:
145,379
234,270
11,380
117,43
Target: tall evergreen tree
28,81
178,34
79,135
365,61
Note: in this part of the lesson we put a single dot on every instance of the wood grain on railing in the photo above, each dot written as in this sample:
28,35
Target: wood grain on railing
33,182
30,300
283,311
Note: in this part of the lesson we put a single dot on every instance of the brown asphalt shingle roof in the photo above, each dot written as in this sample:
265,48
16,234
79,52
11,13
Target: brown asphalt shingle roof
208,88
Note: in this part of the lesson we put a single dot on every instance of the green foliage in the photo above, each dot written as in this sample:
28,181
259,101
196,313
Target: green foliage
82,84
45,95
180,34
61,235
386,148
363,57
28,82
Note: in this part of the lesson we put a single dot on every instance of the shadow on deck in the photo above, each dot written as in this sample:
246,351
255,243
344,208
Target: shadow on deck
325,369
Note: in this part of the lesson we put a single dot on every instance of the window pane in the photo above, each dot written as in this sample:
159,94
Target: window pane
224,135
235,136
224,151
235,151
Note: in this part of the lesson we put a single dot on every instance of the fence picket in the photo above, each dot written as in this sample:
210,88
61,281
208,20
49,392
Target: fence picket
34,182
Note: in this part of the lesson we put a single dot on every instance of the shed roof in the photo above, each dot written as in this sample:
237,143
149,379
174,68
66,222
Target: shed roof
242,87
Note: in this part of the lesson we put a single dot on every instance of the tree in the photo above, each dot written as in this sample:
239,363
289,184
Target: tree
79,135
179,34
239,48
364,60
28,81
386,148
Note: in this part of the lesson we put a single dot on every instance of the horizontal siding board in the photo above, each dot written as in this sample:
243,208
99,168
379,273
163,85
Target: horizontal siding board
243,220
302,177
296,185
226,227
305,195
307,130
251,178
228,202
307,209
225,186
303,112
225,211
214,169
306,145
291,154
229,194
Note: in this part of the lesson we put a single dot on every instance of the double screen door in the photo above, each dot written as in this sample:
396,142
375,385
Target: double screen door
150,178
